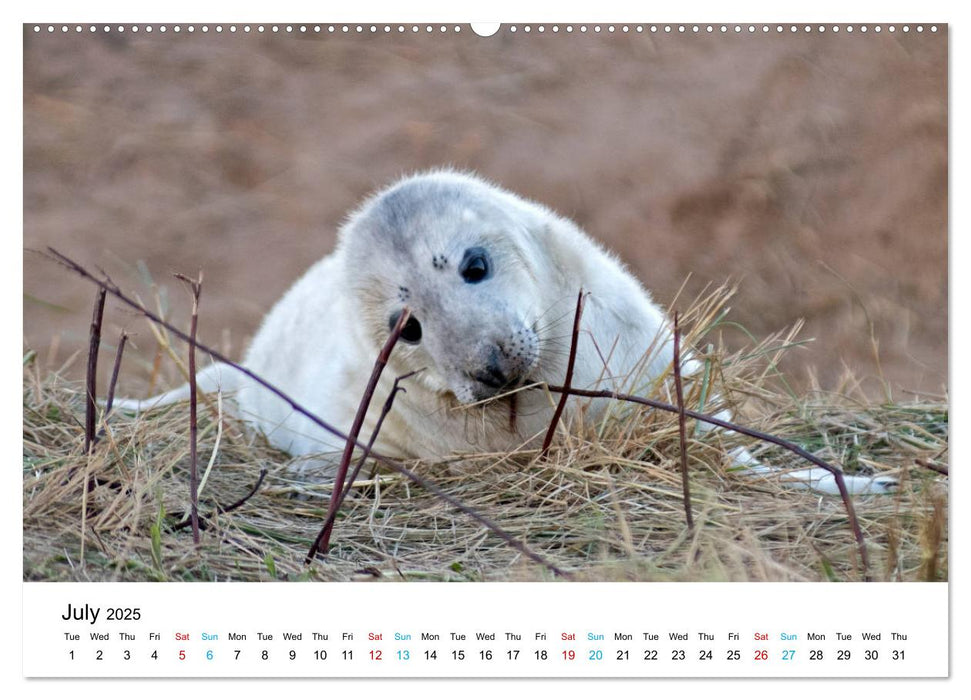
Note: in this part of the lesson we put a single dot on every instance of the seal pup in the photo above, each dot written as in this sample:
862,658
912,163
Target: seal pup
491,281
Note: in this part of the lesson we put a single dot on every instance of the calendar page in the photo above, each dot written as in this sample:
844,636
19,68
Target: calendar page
538,349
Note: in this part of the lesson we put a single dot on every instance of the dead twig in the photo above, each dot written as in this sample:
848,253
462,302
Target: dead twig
109,402
927,464
233,506
92,372
226,509
114,373
196,288
547,441
324,537
682,430
322,542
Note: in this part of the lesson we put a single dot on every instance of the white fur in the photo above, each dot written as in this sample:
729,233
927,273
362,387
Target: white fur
319,342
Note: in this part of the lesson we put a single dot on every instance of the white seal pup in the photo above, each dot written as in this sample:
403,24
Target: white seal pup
491,281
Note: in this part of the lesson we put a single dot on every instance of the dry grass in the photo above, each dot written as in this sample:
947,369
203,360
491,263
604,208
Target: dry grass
606,505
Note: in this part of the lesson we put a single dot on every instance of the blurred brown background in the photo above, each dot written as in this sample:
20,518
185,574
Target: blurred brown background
810,168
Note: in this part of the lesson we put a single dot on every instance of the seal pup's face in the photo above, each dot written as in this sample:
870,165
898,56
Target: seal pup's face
458,253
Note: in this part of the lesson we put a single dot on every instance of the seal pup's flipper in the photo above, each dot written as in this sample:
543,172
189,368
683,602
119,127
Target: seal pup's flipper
815,478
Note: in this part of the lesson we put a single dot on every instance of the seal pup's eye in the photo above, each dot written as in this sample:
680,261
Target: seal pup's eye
475,266
411,333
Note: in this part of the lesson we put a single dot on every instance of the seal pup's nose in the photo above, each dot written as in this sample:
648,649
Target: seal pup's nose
492,376
496,372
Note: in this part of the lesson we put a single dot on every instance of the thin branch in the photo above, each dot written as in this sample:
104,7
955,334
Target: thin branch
386,461
567,382
233,506
927,464
323,539
751,432
322,542
682,430
114,373
226,509
109,402
196,287
92,373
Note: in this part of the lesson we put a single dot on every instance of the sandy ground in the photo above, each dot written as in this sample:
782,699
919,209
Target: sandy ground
810,169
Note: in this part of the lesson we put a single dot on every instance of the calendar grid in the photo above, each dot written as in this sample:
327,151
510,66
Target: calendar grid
497,630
